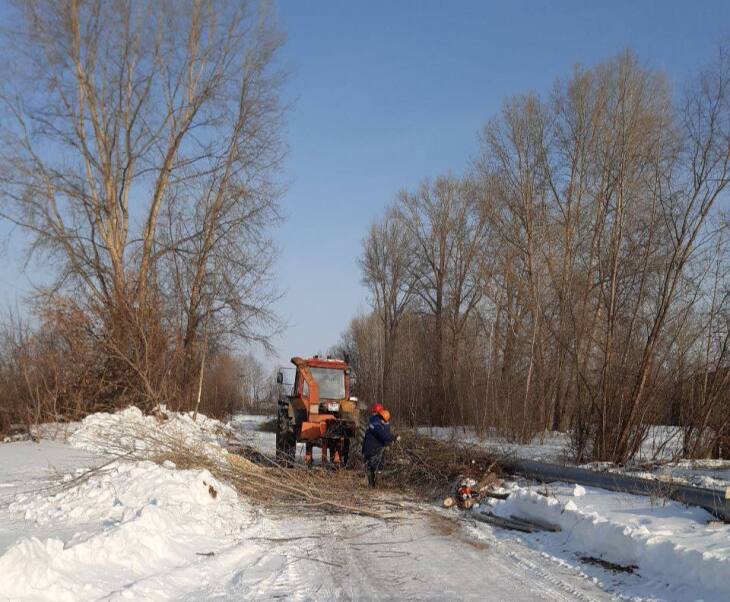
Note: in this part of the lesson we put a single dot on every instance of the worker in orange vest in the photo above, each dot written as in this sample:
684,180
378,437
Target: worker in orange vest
377,437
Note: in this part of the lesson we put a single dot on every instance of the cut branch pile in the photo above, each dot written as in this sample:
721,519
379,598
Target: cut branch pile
430,468
264,482
417,465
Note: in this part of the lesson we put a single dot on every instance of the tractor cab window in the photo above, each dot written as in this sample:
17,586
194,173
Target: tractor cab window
331,383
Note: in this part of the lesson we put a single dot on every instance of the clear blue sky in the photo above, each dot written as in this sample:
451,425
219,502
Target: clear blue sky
387,93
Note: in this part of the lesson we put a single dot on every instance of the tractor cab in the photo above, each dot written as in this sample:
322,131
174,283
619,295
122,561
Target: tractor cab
318,411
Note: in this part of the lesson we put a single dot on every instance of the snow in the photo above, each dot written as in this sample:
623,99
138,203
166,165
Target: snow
713,474
51,431
130,431
681,553
551,446
69,531
248,427
142,531
134,529
27,466
153,518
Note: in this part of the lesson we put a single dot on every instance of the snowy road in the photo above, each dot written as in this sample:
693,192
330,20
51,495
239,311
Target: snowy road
427,556
433,557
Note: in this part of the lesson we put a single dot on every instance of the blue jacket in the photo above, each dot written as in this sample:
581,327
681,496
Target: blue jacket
377,436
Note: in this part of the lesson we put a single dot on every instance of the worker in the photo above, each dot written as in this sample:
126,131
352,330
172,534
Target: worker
377,436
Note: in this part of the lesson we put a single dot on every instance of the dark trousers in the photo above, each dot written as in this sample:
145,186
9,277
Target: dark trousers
372,465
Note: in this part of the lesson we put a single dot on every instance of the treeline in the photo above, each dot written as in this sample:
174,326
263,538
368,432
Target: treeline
576,278
51,372
139,156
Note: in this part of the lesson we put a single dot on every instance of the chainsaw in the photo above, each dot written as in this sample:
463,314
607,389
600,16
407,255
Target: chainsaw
465,496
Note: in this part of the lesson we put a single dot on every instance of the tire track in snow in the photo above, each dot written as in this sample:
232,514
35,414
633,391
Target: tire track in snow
414,560
548,576
550,570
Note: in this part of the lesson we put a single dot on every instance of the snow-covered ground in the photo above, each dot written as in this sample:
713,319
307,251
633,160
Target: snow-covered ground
133,530
550,447
143,531
681,553
249,427
30,467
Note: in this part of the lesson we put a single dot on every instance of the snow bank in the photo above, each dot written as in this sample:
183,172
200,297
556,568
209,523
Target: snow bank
673,546
129,431
153,519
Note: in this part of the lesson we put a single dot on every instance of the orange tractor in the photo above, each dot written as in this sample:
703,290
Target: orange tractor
318,411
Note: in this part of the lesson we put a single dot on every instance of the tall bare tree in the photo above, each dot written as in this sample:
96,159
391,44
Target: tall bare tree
596,295
386,271
448,229
141,144
515,162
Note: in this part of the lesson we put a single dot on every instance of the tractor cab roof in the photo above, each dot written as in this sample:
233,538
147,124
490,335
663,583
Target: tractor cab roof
320,362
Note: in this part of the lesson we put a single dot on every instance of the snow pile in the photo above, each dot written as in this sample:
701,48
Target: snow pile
153,519
674,547
130,431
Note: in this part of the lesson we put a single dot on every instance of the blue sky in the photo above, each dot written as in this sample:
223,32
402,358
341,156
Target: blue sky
386,93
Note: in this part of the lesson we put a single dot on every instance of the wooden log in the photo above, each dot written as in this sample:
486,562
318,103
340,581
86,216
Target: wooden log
504,523
538,523
495,495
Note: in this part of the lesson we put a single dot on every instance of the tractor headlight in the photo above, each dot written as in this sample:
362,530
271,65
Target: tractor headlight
333,406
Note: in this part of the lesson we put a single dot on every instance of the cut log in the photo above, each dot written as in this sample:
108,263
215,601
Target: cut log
503,523
495,495
537,523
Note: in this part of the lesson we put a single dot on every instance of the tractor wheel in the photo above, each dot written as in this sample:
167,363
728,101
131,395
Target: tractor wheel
352,450
286,443
345,451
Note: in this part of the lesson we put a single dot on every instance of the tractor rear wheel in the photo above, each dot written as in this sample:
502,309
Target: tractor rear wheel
345,451
286,442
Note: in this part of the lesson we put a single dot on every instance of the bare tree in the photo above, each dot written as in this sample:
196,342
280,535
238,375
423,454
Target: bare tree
514,161
689,175
146,171
580,277
386,271
448,229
